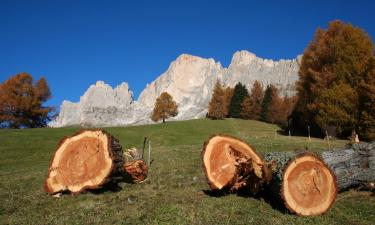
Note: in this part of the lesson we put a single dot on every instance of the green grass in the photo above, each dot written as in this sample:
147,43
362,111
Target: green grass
174,192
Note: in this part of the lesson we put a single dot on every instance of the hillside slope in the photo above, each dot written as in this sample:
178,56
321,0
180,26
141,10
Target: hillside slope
174,194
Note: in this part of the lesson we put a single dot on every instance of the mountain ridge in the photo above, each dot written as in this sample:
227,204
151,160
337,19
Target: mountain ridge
189,79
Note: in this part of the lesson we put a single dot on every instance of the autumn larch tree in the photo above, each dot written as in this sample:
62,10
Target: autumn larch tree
240,92
217,105
256,98
228,94
265,103
164,108
287,107
366,107
274,110
339,57
246,112
21,102
338,108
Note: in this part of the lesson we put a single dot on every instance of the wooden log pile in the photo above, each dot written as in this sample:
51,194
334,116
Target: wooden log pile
88,160
304,183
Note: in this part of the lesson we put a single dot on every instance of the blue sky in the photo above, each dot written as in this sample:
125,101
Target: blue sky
75,43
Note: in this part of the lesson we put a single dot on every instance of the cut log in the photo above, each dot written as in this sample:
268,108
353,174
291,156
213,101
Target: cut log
86,160
353,166
135,171
302,182
231,165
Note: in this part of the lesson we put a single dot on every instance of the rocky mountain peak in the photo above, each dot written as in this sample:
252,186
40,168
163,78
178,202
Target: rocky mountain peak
100,83
189,79
186,58
243,57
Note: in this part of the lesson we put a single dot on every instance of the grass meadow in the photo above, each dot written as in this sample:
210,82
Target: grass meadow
175,190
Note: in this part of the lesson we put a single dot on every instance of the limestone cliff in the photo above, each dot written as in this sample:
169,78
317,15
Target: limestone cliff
189,79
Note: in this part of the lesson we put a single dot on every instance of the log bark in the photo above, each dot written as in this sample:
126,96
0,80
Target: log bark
301,182
353,166
231,165
87,160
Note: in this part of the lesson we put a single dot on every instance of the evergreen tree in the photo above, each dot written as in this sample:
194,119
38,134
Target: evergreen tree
217,105
256,98
164,108
265,103
239,93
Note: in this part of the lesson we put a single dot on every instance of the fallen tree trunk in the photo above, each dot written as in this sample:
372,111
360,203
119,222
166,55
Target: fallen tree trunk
231,165
302,182
87,160
353,166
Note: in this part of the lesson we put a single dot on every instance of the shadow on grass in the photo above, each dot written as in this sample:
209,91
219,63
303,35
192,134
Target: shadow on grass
109,187
274,202
214,193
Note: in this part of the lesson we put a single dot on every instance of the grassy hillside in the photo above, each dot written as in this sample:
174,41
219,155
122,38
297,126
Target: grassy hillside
174,194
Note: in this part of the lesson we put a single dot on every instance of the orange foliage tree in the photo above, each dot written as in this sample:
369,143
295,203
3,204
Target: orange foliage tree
274,111
21,102
287,107
341,56
246,112
217,106
164,108
228,94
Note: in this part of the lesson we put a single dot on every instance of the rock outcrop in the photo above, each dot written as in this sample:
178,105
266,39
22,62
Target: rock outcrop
247,68
102,106
189,79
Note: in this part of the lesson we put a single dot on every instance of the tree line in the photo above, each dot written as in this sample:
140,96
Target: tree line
335,90
261,103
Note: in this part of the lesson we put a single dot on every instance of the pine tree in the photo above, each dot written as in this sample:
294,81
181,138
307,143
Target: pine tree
265,103
217,105
340,55
21,102
239,93
256,98
164,108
